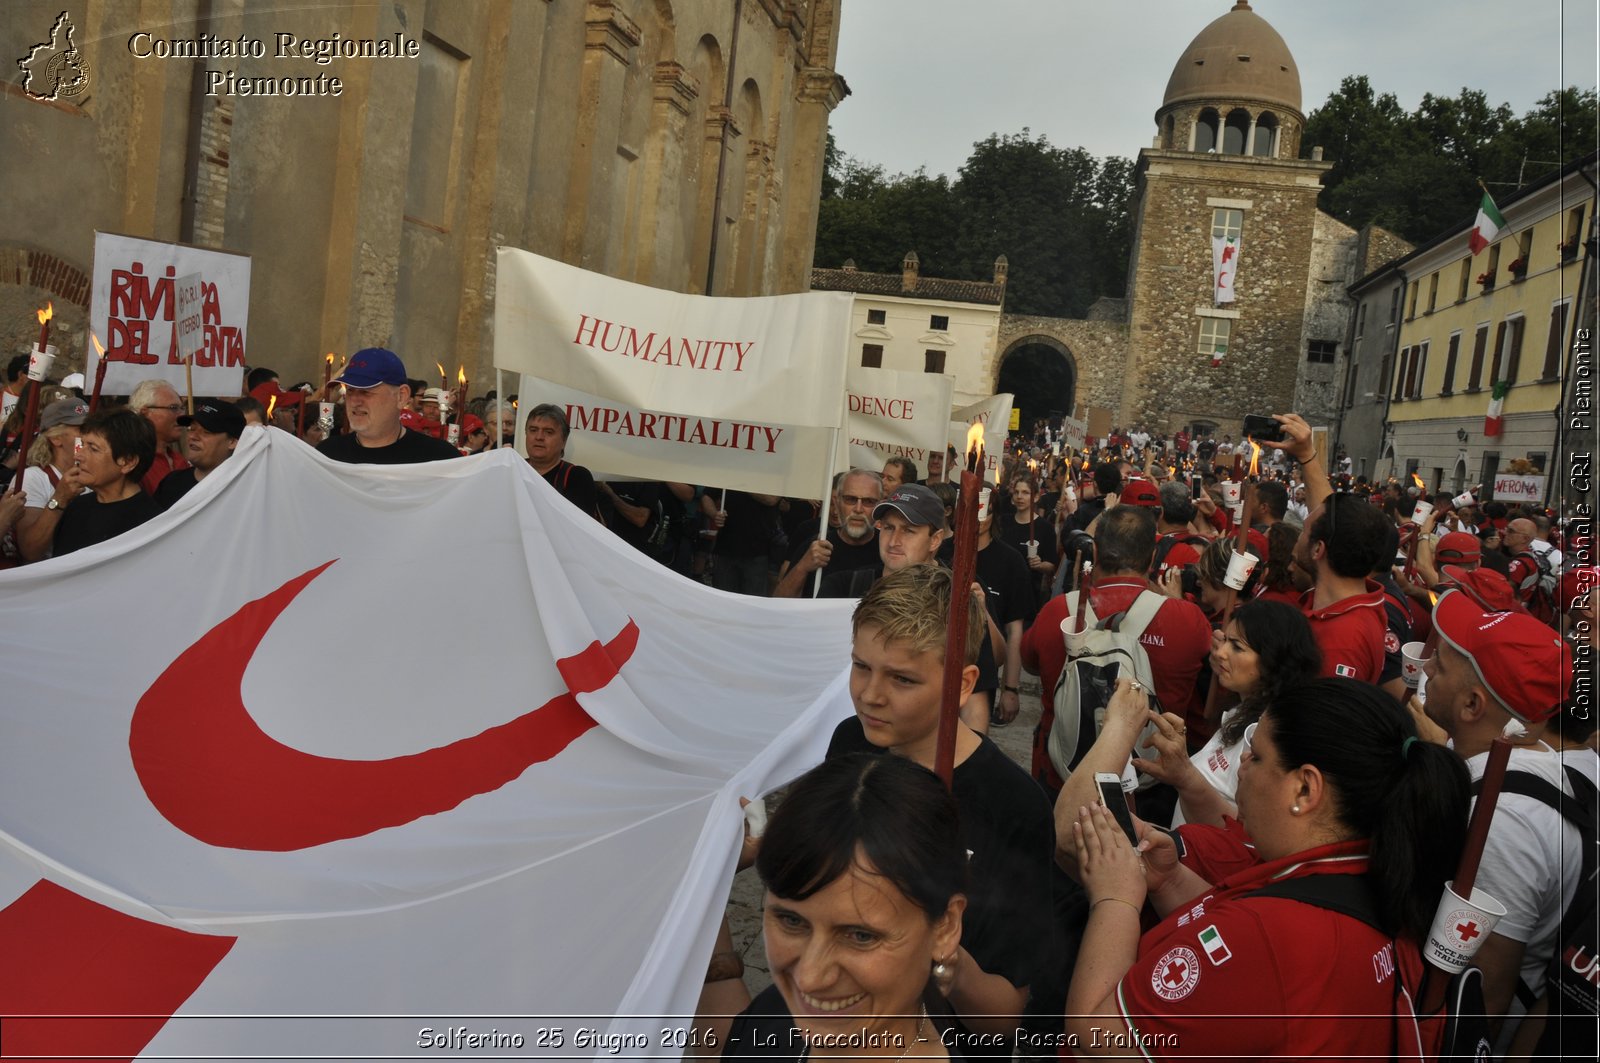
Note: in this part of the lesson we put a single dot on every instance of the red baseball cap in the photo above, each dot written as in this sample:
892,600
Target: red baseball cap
1523,663
265,392
1492,591
471,423
1575,584
1458,548
1141,493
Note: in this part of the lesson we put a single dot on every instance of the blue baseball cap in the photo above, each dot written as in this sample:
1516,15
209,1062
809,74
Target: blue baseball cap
370,367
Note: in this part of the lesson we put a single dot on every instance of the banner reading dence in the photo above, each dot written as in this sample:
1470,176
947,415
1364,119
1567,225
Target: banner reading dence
133,310
770,360
890,414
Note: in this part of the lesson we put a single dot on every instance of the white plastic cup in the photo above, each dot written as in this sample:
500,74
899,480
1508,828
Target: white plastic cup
1464,499
1411,662
983,503
1423,511
453,434
1460,927
1240,565
1230,492
40,361
1422,689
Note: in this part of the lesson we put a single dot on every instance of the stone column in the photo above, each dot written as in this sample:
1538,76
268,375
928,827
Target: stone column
610,38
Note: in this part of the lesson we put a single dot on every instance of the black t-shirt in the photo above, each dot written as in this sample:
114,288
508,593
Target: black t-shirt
1007,584
749,529
1006,824
576,485
174,486
646,494
87,521
846,556
1086,512
410,449
1018,535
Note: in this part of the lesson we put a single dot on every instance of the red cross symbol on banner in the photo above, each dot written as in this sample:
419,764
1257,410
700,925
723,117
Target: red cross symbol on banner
1468,930
1175,972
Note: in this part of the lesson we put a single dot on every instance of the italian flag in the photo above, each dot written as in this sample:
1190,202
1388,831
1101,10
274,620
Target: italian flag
1492,421
1216,355
1486,227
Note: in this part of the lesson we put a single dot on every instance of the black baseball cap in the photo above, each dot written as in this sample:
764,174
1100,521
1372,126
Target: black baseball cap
214,415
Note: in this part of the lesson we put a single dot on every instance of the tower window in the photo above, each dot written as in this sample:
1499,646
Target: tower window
939,322
1266,134
875,317
1205,131
1235,133
1321,351
1226,224
1214,335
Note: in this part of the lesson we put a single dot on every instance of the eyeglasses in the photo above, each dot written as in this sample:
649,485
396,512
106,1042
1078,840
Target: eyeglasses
176,408
857,501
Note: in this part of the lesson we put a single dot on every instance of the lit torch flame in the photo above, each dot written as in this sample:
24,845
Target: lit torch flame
1433,598
444,378
461,377
1255,455
330,359
272,404
1418,481
99,348
47,313
975,448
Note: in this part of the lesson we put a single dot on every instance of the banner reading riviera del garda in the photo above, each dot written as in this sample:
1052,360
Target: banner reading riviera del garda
133,309
891,414
768,360
303,818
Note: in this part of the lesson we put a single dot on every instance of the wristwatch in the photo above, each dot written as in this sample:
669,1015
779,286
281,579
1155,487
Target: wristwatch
1012,690
54,503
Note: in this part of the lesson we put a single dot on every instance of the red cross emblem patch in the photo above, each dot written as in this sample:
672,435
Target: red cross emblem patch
1176,974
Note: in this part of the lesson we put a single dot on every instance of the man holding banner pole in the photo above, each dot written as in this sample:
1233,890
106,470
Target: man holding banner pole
853,544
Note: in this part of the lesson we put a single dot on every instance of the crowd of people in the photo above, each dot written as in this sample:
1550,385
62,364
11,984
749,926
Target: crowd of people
1323,663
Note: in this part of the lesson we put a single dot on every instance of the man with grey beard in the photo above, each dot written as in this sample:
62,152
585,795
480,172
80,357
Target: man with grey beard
852,544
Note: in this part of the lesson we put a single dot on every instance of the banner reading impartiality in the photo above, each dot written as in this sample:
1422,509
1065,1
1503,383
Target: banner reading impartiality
616,441
994,414
891,414
773,360
311,815
133,310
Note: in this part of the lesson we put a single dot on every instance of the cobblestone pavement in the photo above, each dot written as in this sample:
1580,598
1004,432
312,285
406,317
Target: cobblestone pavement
744,903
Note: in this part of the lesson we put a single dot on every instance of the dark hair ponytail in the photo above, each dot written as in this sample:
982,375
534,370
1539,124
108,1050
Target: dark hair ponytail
1408,797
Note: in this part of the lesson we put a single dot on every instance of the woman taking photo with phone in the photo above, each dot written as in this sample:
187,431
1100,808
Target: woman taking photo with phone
1341,800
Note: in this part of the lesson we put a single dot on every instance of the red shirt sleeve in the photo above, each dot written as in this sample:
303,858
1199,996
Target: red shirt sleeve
1352,645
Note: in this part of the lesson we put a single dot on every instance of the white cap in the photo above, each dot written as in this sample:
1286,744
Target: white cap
73,380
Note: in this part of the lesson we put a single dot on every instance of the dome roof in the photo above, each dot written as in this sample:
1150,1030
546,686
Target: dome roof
1239,56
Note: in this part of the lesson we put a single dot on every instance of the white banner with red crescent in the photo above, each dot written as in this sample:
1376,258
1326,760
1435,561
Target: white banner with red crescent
336,761
774,360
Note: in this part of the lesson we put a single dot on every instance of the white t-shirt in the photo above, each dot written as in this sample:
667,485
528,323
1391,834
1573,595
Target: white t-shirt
1531,864
1219,764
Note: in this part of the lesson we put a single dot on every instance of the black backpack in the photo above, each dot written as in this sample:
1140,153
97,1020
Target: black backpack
1573,978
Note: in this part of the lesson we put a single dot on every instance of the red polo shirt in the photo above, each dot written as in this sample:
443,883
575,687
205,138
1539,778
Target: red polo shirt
1177,642
1350,633
1237,977
166,461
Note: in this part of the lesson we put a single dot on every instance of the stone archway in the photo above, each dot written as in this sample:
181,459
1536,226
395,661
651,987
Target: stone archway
1042,373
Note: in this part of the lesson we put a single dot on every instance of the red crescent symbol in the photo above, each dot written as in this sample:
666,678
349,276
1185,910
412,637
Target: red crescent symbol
215,775
1222,279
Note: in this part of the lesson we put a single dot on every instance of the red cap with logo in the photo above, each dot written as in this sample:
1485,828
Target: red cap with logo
1141,493
1458,548
1523,663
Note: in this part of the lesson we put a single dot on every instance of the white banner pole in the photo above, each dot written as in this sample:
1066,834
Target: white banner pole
827,503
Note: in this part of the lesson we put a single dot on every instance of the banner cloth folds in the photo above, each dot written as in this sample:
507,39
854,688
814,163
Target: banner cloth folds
893,414
415,742
775,360
994,414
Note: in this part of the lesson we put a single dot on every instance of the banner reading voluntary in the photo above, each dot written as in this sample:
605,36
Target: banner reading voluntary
766,360
891,414
302,795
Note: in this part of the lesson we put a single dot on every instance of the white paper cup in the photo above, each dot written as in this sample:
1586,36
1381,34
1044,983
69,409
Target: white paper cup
453,434
1411,662
1240,565
1422,689
40,361
1074,639
983,503
1423,511
1230,492
1464,499
1460,927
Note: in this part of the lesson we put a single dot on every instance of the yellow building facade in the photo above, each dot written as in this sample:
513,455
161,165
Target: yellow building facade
1506,313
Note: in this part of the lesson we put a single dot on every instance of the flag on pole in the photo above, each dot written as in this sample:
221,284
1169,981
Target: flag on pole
1492,420
1224,264
1216,355
1487,226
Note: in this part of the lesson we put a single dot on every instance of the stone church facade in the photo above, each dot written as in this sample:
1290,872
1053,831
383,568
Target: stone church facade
677,143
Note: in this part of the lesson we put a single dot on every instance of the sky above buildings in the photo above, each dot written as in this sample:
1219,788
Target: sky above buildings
930,77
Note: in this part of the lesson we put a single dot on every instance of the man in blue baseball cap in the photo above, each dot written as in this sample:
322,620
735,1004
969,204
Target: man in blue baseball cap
376,391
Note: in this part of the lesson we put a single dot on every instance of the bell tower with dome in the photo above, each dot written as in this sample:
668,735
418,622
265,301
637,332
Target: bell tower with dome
1224,167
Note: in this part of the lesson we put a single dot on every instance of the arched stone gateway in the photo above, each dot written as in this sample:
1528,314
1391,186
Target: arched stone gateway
1065,364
